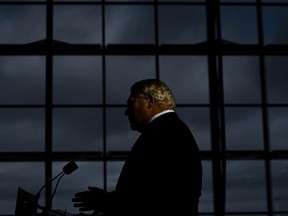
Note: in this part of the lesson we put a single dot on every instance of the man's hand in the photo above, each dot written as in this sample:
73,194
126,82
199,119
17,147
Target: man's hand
91,200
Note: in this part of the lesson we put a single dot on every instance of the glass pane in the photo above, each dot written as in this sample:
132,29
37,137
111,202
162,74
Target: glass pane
241,79
129,0
187,76
129,24
280,186
198,120
244,129
22,129
122,72
77,80
87,174
277,79
78,24
278,124
206,203
182,24
76,0
77,129
274,1
239,24
22,23
275,24
22,80
27,175
23,0
245,186
247,214
113,172
119,135
237,1
177,1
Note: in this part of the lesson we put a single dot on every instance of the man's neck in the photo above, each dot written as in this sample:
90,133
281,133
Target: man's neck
159,114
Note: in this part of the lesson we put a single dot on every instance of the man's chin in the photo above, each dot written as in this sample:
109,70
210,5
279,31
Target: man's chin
135,127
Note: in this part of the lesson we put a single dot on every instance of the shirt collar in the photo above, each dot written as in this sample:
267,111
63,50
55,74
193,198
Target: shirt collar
159,114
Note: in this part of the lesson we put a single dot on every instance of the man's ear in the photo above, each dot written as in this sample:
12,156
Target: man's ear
150,102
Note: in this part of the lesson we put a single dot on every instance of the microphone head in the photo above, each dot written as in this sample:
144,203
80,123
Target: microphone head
70,167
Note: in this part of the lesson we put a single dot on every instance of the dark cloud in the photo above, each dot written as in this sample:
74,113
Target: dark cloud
241,79
21,130
77,80
276,79
175,24
20,76
78,24
187,77
244,129
22,23
129,24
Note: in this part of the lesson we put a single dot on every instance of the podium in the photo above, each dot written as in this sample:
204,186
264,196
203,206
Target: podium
47,212
27,205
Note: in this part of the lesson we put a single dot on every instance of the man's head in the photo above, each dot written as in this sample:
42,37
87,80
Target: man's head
147,98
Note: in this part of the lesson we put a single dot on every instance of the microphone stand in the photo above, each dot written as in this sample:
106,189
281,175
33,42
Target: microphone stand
38,194
67,169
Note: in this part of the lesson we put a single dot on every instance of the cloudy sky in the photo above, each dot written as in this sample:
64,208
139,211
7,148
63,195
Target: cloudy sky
79,80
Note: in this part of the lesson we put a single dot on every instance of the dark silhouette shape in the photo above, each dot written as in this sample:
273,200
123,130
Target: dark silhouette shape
162,174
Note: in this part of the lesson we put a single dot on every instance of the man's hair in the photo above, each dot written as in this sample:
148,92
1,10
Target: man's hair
155,90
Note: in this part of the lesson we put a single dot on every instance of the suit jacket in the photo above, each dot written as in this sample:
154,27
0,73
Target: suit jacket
162,173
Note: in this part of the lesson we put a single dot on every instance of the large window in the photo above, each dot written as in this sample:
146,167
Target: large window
66,67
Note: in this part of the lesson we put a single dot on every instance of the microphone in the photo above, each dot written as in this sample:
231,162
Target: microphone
70,167
67,169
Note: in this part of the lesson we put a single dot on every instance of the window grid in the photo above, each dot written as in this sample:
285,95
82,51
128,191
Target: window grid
214,48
